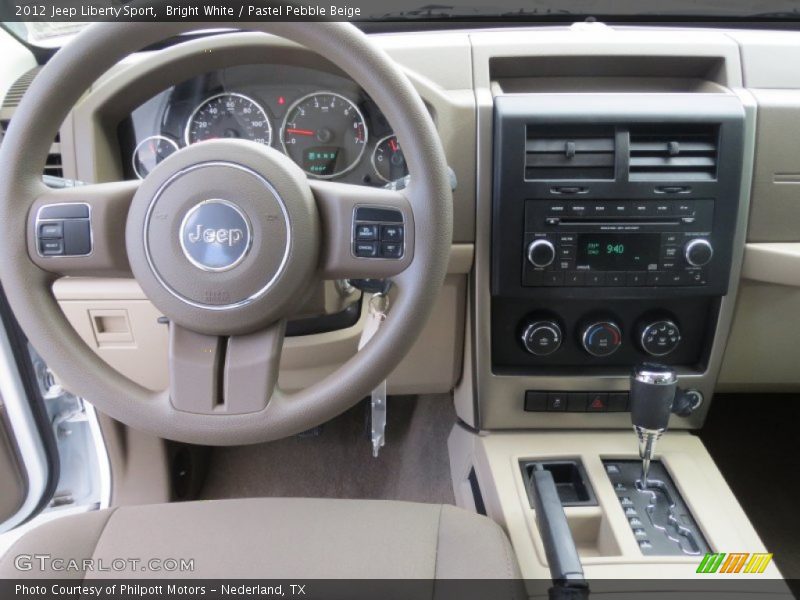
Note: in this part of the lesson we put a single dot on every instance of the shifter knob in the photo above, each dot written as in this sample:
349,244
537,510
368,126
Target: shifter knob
653,389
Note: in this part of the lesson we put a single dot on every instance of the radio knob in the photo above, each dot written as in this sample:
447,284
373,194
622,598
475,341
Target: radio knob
541,253
698,252
602,338
542,337
659,338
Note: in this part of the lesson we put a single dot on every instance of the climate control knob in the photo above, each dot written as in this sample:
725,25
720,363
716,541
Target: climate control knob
659,338
698,252
541,253
602,338
542,337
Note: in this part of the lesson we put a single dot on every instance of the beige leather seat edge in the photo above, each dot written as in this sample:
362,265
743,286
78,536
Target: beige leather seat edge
278,538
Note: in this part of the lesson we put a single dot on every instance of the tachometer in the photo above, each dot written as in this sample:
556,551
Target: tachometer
151,151
325,134
229,116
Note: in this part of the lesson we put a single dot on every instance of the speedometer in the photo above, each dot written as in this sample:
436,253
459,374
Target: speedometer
229,116
325,134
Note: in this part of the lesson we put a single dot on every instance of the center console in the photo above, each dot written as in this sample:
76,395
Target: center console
616,234
614,172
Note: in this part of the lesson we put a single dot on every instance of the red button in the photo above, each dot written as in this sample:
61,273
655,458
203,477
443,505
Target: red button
598,403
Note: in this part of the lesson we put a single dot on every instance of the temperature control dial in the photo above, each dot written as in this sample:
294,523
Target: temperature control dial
541,253
698,252
542,337
602,338
659,338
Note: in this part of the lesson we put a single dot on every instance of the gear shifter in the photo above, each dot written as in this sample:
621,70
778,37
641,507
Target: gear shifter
653,391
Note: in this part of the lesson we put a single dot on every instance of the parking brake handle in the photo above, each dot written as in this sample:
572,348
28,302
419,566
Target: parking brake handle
565,565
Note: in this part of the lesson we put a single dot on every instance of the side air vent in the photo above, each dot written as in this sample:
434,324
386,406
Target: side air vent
53,165
569,153
674,152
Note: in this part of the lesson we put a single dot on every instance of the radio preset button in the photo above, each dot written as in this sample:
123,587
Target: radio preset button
615,278
595,278
552,278
636,278
574,278
656,278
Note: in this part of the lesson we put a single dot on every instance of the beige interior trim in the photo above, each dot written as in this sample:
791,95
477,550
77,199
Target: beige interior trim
772,263
605,542
116,320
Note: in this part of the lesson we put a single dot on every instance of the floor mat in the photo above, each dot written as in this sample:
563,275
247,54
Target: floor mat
413,465
753,440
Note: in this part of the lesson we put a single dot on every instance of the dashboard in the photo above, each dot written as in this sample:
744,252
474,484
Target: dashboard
325,123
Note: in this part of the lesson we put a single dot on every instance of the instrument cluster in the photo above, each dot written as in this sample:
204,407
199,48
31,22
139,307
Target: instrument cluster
325,123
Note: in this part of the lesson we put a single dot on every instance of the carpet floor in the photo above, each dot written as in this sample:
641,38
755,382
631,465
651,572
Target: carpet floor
338,463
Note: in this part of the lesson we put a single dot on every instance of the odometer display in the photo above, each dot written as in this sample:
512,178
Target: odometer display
229,116
325,134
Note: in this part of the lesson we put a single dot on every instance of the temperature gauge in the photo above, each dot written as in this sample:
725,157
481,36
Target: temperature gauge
150,152
388,160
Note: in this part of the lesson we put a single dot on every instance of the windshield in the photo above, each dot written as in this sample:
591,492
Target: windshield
52,28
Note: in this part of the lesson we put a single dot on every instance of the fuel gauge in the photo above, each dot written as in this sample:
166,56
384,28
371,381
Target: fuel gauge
388,160
151,151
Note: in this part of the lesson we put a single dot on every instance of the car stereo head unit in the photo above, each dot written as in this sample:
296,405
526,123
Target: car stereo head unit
644,203
617,243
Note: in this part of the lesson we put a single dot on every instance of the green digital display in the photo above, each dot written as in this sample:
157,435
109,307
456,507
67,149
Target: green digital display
615,252
321,160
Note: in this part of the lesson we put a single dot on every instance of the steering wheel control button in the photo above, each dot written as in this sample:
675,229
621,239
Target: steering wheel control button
542,338
52,230
215,235
64,230
366,232
391,233
378,233
391,250
659,338
51,247
64,211
366,249
602,339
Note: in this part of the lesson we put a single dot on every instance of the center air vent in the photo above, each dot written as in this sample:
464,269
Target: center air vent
673,153
569,153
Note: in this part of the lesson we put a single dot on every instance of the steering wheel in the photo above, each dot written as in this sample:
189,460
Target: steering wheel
225,238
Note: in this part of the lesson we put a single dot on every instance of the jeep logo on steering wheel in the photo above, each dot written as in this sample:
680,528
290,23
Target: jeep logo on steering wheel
215,235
